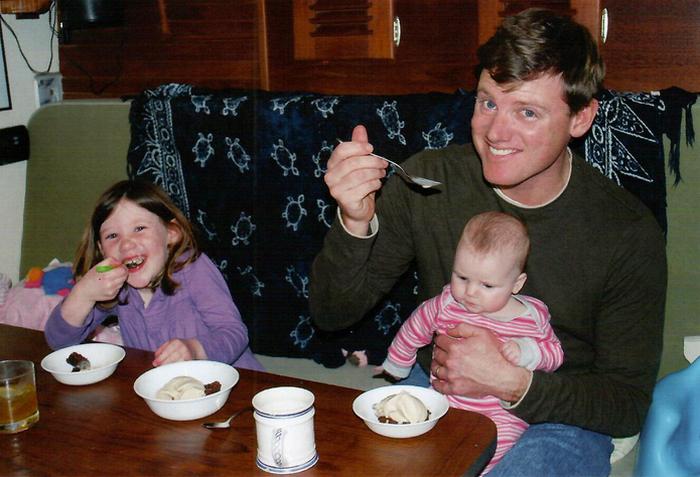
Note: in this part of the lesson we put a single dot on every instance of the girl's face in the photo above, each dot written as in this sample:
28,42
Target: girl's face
483,283
139,240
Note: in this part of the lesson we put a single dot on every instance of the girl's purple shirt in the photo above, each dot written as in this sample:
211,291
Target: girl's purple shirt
202,308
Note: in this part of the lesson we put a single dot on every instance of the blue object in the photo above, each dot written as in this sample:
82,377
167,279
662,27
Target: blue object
669,445
58,281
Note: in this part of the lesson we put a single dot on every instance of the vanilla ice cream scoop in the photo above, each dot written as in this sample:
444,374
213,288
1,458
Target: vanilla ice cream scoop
403,408
181,387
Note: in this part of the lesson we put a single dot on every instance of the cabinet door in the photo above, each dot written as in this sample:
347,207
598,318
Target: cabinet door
24,6
652,44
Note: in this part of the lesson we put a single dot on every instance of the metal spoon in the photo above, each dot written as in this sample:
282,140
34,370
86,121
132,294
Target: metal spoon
421,181
227,423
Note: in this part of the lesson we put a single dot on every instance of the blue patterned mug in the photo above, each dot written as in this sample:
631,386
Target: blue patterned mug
284,425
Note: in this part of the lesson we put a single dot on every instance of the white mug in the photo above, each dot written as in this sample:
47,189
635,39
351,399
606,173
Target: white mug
284,425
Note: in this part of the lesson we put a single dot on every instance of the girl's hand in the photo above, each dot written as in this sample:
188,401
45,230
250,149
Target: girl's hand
104,280
179,350
93,287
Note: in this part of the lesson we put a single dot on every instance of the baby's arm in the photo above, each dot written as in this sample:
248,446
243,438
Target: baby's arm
522,352
416,332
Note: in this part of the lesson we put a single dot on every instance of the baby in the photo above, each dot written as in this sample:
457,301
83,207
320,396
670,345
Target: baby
487,274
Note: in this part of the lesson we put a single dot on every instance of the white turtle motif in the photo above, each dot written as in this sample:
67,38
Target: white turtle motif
231,105
294,211
391,121
438,137
303,332
280,105
256,285
388,317
222,266
299,282
203,149
325,105
325,214
322,156
284,158
242,230
237,154
200,103
201,217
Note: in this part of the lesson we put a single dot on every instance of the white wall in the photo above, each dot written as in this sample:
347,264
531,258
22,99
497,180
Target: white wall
34,37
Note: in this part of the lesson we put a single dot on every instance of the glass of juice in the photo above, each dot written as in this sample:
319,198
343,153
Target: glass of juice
18,404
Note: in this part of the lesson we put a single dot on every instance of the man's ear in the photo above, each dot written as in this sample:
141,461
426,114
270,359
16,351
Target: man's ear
518,285
581,121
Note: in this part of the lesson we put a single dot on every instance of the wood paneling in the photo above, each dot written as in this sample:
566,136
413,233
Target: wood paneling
212,43
342,29
653,45
436,53
250,44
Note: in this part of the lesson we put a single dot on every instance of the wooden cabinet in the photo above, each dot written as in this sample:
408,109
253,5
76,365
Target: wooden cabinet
24,6
652,44
647,45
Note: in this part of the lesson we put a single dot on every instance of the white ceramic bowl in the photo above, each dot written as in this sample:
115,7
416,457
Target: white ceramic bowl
103,357
150,382
436,403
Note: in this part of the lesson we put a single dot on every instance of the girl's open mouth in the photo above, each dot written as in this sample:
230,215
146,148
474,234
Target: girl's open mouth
134,263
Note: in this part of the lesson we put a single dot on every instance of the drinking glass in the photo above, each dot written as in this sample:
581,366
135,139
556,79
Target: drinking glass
19,409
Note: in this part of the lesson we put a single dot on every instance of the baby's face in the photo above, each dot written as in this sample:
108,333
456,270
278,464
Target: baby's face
483,283
138,239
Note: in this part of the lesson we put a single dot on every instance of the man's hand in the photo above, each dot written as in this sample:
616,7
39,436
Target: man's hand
353,178
467,361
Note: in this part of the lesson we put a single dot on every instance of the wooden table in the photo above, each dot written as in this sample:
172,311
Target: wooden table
106,429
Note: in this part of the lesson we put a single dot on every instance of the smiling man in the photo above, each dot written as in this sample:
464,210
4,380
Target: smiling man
598,256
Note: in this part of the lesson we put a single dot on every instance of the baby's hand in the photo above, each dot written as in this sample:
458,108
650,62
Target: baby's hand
179,350
381,373
511,352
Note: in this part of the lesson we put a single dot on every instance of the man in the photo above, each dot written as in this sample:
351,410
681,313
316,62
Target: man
597,259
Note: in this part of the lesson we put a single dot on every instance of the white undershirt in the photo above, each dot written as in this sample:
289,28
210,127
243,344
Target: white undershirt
503,196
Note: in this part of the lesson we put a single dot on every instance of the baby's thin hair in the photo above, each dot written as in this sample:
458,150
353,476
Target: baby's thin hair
152,198
498,232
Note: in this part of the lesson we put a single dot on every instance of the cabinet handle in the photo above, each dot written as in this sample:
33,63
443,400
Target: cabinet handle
604,22
397,31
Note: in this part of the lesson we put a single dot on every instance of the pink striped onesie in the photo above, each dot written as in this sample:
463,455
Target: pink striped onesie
540,349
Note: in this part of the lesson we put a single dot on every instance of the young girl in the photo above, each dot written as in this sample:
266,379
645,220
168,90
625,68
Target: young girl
138,259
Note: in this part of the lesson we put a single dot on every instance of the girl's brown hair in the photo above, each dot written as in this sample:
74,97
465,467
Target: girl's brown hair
149,196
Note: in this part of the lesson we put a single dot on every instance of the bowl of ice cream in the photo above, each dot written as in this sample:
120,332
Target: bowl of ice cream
186,390
400,411
83,364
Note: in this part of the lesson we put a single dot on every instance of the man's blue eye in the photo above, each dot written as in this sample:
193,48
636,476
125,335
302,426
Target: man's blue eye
529,113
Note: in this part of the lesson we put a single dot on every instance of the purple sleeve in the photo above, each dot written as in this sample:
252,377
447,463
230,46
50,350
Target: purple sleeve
224,336
59,333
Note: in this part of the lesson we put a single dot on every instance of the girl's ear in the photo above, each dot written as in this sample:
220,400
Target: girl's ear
519,282
174,232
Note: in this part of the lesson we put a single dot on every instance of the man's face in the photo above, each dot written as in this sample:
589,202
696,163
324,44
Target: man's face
520,132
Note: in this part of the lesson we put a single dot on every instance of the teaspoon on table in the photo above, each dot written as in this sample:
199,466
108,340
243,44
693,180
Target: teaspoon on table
421,181
227,423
